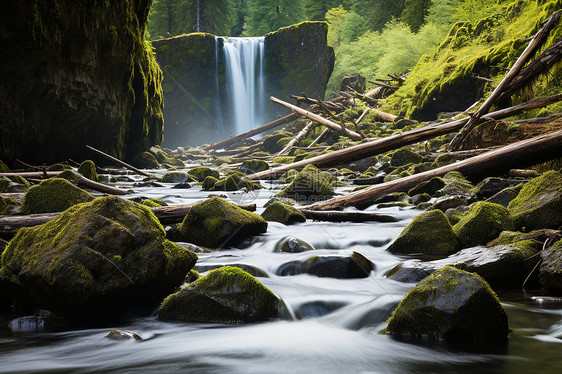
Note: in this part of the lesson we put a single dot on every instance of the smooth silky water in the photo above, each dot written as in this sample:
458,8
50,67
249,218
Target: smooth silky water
331,325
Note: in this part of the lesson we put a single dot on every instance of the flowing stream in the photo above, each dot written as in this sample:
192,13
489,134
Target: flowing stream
332,325
245,79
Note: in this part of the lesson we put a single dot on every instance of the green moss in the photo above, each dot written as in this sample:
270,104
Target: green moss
283,213
227,294
253,166
209,183
20,180
289,175
175,177
53,195
482,222
3,167
419,237
150,203
88,170
7,205
217,223
163,159
539,203
310,184
283,160
146,160
200,173
221,160
5,183
404,156
235,182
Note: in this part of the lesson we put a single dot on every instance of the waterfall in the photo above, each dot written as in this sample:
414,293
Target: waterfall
245,80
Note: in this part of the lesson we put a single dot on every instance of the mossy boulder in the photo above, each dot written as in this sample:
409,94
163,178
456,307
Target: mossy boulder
225,295
404,156
53,195
8,205
450,304
216,223
289,175
551,268
202,172
311,184
209,183
457,184
539,203
95,259
235,182
419,237
481,223
430,187
354,266
88,170
175,177
286,214
5,184
146,160
163,159
443,160
253,166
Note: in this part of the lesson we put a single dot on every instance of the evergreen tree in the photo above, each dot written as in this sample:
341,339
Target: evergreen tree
269,15
378,13
316,10
161,19
241,7
415,13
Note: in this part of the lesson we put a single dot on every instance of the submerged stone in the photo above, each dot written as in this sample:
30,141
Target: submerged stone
226,295
481,223
294,245
216,223
283,213
53,195
354,266
96,259
453,305
122,335
429,233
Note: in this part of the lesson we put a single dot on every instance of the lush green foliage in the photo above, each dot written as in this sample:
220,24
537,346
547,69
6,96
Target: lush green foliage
269,15
316,10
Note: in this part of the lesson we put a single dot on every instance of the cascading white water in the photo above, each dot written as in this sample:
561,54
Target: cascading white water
245,79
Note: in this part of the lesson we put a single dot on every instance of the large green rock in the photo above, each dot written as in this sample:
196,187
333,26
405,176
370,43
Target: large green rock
450,304
53,195
310,184
202,172
96,259
539,203
216,223
88,170
429,233
226,295
283,213
78,73
481,223
234,182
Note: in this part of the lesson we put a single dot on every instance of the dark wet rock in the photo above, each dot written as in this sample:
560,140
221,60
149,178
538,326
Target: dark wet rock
453,305
449,202
491,186
420,198
53,195
122,335
252,270
403,122
253,166
404,156
505,196
200,173
36,323
91,261
225,295
270,142
551,268
430,187
174,177
88,170
419,237
354,266
481,223
457,184
539,203
182,186
216,223
311,184
420,168
502,266
283,213
294,245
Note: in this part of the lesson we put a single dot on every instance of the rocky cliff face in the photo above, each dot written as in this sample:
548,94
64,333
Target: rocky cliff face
77,73
297,59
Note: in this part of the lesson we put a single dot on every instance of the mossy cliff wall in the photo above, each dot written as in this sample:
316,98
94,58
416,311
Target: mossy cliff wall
77,72
297,59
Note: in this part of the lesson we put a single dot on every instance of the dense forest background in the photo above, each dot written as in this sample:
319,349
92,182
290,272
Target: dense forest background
371,37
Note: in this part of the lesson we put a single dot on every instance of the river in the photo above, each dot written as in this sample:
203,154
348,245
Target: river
331,325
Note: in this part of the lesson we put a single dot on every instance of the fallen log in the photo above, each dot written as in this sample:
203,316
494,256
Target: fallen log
524,153
378,146
534,44
315,117
339,216
166,215
298,138
524,173
385,116
13,195
117,161
319,138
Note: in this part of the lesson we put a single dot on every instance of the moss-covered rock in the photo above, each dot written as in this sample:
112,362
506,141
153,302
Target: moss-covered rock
216,223
539,203
53,195
551,268
283,213
88,170
202,172
8,206
5,184
293,245
253,166
458,185
420,236
209,183
482,222
235,182
175,177
226,295
289,175
404,156
430,187
310,184
443,160
95,259
146,160
449,202
163,159
354,266
453,305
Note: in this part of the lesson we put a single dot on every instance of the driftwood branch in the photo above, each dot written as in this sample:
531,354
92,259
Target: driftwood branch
299,138
116,160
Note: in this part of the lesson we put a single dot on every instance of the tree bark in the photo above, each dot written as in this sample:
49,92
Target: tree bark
527,152
378,146
299,138
385,116
315,117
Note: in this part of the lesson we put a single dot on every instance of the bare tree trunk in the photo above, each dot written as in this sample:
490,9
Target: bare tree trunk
117,161
299,138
